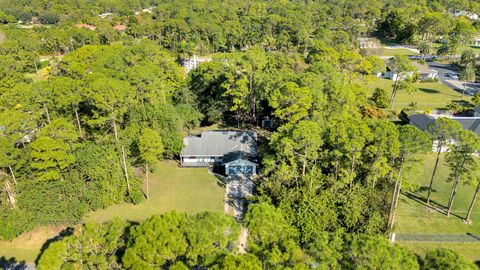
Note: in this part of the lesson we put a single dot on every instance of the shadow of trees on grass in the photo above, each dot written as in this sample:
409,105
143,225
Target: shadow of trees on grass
12,264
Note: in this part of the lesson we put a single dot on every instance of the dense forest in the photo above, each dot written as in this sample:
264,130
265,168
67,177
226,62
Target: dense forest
82,111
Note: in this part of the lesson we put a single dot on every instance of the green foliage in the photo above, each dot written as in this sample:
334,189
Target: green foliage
445,259
150,146
90,246
163,240
380,98
376,253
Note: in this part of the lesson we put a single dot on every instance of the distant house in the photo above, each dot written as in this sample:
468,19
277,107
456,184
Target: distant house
368,43
193,62
84,25
476,42
425,121
105,15
424,71
120,27
235,151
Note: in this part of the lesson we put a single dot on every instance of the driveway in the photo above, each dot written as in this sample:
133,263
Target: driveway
456,85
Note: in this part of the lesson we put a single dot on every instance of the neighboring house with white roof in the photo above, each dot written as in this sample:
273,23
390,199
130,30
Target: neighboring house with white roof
424,72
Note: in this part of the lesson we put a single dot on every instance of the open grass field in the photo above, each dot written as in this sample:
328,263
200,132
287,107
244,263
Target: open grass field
413,217
394,52
468,250
190,190
461,48
431,96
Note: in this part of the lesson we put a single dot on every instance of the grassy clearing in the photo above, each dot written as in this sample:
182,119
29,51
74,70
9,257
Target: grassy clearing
468,250
461,48
432,96
190,190
415,218
394,52
27,246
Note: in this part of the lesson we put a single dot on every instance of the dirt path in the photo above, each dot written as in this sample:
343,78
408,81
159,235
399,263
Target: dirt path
242,240
236,191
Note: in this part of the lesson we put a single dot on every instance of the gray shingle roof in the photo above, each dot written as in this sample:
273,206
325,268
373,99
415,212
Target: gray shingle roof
219,143
422,121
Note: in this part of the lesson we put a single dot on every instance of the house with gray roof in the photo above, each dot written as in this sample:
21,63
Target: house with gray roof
423,121
236,151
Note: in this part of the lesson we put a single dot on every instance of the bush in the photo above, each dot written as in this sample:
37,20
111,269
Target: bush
48,18
445,259
13,223
380,98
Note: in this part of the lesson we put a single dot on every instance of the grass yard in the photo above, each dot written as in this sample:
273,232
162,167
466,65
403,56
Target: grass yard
468,250
27,246
413,217
394,52
428,96
461,48
190,190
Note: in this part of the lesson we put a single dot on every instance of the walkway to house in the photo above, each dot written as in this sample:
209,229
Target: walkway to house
237,190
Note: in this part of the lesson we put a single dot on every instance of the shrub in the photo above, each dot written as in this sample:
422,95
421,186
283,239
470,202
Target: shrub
380,98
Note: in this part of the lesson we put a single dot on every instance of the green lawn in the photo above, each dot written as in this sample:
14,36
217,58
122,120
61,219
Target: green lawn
394,52
190,190
468,250
461,48
428,96
415,218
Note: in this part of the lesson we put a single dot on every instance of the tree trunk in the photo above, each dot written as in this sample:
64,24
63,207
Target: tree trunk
464,88
396,195
452,196
47,114
352,169
36,68
115,132
147,170
392,96
454,188
125,168
472,204
78,124
439,151
10,194
304,166
13,175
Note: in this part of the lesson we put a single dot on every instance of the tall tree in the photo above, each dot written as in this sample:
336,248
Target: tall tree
467,75
151,148
413,143
401,66
462,162
472,204
113,98
443,131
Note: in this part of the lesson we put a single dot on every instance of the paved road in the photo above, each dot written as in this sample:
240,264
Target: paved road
442,69
456,85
